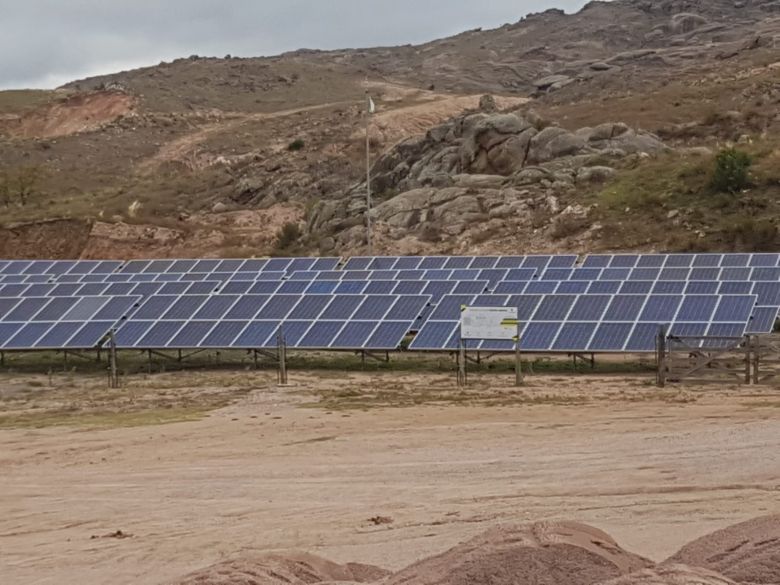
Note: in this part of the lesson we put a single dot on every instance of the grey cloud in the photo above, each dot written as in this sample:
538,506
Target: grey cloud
44,43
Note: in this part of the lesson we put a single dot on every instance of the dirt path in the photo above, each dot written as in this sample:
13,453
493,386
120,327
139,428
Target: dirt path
266,474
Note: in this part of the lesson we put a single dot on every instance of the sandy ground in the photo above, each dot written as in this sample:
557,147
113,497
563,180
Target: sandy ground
654,469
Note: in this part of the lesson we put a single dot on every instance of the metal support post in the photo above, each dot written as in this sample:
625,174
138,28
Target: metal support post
282,352
113,379
462,364
518,362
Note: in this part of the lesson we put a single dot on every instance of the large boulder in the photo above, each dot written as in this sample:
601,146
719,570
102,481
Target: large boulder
748,552
547,553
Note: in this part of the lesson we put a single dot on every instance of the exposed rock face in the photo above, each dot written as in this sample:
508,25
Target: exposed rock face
547,553
477,169
748,552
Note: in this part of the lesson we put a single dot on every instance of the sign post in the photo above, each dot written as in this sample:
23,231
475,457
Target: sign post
491,323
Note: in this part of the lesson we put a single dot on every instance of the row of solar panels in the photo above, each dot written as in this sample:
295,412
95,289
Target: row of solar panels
598,323
316,321
222,322
768,292
490,274
289,265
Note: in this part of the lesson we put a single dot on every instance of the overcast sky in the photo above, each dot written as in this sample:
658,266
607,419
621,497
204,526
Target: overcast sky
45,43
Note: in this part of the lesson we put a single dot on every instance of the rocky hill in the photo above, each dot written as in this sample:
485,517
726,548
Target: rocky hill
601,134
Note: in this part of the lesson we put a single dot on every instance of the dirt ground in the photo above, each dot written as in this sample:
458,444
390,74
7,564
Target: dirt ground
380,468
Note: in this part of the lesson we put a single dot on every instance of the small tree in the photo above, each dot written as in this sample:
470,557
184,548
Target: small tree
731,171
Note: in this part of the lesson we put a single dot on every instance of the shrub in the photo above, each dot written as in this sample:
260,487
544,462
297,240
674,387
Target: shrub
288,236
296,145
731,171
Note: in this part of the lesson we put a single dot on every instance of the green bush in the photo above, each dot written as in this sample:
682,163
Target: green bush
288,236
296,145
731,171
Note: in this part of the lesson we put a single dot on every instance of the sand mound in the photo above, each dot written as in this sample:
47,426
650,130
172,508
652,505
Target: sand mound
748,552
672,575
301,569
548,553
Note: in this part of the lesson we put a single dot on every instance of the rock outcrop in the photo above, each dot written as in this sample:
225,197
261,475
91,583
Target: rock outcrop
480,171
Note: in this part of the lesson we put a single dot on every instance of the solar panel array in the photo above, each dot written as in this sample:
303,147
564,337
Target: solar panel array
176,303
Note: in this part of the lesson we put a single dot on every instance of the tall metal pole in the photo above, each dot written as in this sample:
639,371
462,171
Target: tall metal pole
114,374
368,175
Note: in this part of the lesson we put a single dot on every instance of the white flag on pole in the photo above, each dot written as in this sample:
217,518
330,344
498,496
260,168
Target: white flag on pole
371,106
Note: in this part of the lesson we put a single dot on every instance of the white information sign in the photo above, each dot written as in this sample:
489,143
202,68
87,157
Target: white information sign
488,323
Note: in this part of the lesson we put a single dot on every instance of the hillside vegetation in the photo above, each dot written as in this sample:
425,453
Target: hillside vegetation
196,157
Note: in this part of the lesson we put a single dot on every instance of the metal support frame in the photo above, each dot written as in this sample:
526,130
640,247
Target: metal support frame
584,358
113,374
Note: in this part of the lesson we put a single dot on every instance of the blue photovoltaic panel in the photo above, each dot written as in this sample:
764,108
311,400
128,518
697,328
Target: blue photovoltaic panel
341,307
354,335
611,336
388,335
768,293
679,260
325,264
521,274
734,309
154,307
735,274
574,336
432,263
510,262
636,287
615,273
159,334
277,308
569,287
669,287
223,334
408,263
539,336
410,287
54,309
565,261
707,260
554,308
510,288
407,308
675,273
89,336
7,304
643,337
26,309
735,288
624,261
310,307
258,335
358,263
292,287
625,308
356,275
697,308
27,336
374,308
765,260
596,261
191,335
246,307
454,262
526,305
589,308
383,263
763,320
58,336
766,274
604,287
434,335
464,274
645,274
735,260
236,288
689,329
661,308
352,287
704,274
184,308
702,288
322,287
320,335
557,274
541,287
264,288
